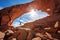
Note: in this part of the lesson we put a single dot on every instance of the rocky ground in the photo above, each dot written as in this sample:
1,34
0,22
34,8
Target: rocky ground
26,33
43,29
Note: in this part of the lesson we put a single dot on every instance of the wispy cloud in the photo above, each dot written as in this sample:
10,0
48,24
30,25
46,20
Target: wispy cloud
29,17
1,7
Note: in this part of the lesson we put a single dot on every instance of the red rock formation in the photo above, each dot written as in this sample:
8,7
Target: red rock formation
17,10
45,22
50,6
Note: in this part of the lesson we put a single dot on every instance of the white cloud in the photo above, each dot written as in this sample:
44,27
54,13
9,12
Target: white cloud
16,24
33,15
1,7
21,21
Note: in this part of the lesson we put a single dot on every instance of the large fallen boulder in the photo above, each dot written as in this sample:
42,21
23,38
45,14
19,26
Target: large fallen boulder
2,35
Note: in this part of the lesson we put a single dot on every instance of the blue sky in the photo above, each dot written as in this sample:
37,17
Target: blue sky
28,17
7,3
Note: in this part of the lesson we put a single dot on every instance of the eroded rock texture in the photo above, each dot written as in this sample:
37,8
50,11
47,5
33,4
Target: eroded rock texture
17,10
47,28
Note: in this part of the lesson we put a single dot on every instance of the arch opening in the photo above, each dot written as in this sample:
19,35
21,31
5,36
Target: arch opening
30,16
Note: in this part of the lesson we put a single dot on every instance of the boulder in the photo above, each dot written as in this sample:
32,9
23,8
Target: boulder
37,38
2,35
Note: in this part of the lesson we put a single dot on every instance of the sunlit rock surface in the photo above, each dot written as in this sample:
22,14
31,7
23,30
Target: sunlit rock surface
7,16
18,10
38,38
2,35
30,16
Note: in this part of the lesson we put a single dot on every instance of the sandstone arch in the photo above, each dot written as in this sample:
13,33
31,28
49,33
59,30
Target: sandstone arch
18,10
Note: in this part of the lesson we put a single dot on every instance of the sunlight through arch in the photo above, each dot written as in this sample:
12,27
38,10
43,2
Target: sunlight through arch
30,16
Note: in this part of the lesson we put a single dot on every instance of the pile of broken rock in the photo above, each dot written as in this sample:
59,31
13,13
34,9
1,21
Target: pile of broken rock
37,33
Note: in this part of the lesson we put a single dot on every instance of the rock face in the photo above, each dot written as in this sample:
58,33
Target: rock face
46,27
18,10
38,38
47,21
20,35
2,35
